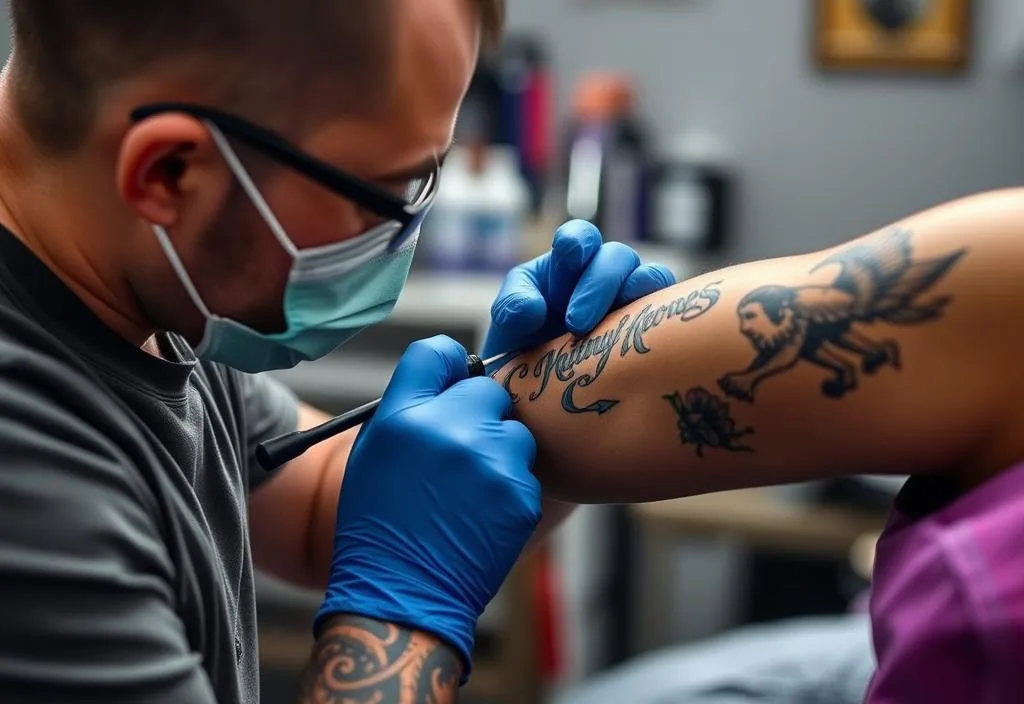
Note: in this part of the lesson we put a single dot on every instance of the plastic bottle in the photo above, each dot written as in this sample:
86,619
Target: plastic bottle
691,196
479,212
503,204
446,239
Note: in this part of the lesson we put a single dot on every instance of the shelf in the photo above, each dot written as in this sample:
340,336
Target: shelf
449,299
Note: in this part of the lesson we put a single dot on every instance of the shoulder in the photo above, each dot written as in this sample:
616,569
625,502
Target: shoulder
258,406
948,591
85,566
260,398
62,432
68,490
969,538
248,396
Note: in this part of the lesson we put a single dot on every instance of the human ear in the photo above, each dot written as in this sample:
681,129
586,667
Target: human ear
171,173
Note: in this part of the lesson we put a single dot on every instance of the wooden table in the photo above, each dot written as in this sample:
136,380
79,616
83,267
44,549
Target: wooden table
756,518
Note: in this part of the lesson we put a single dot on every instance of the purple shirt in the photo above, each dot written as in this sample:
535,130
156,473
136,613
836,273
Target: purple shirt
947,604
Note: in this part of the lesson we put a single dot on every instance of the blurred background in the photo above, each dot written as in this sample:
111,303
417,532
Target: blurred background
703,133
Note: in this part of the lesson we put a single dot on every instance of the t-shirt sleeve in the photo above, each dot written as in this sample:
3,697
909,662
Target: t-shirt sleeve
927,644
86,602
270,409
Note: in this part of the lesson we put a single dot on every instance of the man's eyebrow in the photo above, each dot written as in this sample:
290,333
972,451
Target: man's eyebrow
421,170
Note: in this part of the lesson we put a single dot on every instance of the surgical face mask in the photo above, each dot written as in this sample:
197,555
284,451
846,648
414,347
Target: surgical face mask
333,292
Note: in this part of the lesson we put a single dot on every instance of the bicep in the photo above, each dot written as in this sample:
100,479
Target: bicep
280,500
887,354
86,600
292,516
269,408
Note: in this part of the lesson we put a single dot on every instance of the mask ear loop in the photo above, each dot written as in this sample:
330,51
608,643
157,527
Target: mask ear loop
179,269
240,172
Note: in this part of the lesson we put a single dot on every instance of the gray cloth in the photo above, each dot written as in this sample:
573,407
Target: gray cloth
826,660
125,570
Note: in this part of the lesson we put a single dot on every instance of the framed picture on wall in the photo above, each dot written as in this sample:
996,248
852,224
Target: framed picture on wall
893,36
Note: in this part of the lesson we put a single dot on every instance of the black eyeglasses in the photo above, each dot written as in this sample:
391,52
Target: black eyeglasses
408,213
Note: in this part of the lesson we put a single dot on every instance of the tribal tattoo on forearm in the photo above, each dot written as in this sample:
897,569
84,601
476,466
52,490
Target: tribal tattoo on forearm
362,661
562,366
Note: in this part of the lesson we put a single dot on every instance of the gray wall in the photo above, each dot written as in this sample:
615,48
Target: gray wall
821,158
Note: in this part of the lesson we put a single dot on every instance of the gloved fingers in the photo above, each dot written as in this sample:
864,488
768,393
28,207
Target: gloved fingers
599,286
538,292
520,294
645,280
574,247
518,311
478,397
426,369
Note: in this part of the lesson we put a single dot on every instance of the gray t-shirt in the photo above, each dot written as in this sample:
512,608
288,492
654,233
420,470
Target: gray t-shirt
125,570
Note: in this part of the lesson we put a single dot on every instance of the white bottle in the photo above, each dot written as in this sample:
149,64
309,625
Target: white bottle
479,212
501,209
446,241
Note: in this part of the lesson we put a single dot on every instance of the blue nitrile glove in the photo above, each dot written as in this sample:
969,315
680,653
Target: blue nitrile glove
571,288
437,503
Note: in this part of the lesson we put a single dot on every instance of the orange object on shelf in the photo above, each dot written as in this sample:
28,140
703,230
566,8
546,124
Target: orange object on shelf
602,96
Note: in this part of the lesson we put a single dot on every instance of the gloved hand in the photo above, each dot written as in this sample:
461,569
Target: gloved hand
571,288
437,502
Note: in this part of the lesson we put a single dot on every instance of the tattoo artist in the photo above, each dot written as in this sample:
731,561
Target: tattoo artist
197,193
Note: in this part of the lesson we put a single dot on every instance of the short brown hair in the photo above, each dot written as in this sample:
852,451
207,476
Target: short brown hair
65,51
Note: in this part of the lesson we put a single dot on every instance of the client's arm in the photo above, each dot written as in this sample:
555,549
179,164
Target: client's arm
895,353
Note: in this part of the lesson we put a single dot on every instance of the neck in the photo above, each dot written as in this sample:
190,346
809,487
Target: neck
56,208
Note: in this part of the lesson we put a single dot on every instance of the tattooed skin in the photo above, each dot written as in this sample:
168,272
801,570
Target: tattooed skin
561,366
361,661
704,420
878,281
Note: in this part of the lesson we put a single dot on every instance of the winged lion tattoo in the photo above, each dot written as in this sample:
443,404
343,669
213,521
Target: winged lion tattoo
878,281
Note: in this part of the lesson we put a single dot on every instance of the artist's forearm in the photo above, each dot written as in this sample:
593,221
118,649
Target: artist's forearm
876,356
361,660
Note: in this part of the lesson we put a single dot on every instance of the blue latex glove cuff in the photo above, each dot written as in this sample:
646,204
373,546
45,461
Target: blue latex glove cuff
391,603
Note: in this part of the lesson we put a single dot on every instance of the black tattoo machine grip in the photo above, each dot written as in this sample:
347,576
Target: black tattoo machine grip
275,452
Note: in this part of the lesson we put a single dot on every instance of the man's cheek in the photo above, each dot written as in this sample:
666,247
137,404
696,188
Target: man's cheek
311,215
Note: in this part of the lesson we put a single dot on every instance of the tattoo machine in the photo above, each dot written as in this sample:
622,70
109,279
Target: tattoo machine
275,452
